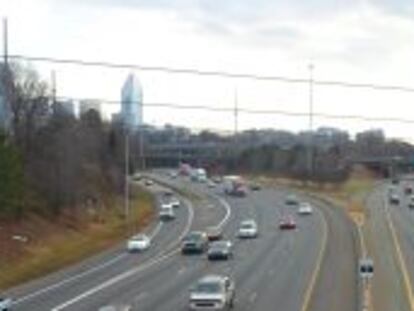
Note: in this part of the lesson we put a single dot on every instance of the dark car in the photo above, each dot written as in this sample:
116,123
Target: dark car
255,187
411,202
287,223
408,190
220,250
194,243
168,193
214,233
292,200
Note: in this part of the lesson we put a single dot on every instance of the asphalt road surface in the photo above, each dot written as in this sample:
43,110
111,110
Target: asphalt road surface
311,268
391,228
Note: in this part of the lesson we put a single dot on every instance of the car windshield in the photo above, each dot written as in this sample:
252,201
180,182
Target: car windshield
247,225
139,238
193,236
220,245
208,287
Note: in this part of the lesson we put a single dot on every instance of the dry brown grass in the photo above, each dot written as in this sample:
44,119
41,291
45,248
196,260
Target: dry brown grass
67,246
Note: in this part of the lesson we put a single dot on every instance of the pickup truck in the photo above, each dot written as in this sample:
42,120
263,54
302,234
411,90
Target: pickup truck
5,304
212,292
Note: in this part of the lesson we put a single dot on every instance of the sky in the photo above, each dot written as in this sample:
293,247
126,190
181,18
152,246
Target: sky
356,41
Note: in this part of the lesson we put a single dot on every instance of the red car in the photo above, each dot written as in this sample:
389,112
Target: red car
287,223
214,234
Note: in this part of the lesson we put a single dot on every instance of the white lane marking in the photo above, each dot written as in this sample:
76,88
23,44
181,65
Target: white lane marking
228,212
134,271
82,274
155,231
68,280
310,290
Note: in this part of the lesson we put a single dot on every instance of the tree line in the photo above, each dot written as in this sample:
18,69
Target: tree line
52,162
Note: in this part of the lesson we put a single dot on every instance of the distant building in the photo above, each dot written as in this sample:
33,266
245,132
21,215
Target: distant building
131,103
116,118
64,108
86,105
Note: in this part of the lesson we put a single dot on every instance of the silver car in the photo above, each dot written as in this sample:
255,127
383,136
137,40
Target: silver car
212,292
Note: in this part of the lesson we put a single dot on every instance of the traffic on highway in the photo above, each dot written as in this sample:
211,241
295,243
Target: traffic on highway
226,248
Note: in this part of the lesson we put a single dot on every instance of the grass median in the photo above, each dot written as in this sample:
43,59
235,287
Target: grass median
66,246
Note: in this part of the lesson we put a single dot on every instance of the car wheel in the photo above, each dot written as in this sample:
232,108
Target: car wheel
231,303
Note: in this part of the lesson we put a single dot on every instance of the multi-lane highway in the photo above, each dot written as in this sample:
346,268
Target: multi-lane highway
310,268
391,242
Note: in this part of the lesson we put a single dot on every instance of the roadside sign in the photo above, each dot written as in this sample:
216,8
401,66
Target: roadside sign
366,268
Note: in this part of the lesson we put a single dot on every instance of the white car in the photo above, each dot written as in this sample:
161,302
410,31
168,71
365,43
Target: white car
167,212
212,292
5,304
305,209
174,202
248,229
166,205
138,243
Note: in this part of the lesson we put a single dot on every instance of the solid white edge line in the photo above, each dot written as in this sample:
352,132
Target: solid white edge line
309,291
131,272
80,275
155,231
68,280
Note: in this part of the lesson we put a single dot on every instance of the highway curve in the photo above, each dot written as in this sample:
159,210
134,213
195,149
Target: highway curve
310,268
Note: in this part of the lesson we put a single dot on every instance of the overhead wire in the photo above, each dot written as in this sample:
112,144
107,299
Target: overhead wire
211,108
218,73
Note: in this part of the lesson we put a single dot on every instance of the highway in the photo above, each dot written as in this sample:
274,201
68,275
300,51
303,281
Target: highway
393,250
310,268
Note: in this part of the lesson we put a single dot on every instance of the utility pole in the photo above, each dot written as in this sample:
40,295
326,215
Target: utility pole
5,77
236,128
236,113
311,142
5,43
141,148
53,76
126,190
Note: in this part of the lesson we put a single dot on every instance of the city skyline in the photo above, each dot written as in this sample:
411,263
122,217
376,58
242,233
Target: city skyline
353,42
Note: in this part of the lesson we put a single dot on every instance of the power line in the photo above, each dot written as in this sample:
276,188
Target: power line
252,111
224,74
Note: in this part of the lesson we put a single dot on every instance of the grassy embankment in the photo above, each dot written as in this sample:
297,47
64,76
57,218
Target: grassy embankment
349,195
54,245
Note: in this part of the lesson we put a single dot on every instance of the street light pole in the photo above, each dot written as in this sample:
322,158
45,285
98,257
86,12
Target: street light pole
126,192
141,148
311,149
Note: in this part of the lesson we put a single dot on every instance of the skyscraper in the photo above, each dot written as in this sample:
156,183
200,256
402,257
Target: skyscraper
131,103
